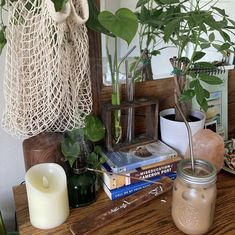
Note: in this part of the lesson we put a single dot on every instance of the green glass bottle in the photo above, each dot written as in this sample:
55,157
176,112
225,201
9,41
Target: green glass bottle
81,185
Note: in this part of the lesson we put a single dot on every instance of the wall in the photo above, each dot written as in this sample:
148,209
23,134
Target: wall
11,163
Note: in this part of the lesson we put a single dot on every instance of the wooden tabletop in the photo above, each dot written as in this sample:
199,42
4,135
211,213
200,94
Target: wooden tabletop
151,218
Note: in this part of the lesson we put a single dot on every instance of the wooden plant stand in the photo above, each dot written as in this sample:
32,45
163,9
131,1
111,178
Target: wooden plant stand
151,106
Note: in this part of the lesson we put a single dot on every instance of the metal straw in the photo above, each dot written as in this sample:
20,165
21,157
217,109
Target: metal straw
125,56
189,136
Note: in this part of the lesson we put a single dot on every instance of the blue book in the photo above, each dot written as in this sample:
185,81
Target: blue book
139,157
132,188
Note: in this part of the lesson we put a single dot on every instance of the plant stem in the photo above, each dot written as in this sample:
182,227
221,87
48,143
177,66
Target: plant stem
116,100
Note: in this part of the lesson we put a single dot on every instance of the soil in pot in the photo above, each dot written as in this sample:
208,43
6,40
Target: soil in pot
172,118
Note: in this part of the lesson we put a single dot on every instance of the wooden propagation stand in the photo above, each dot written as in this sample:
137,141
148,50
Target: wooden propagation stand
151,108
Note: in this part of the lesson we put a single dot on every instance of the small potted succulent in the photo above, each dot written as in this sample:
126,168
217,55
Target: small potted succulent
80,149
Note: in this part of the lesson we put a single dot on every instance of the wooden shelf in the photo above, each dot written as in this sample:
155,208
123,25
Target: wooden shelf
152,218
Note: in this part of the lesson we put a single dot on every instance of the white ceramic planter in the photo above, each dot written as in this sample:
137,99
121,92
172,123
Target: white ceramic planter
175,133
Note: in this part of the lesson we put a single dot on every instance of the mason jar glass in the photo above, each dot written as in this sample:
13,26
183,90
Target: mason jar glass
194,195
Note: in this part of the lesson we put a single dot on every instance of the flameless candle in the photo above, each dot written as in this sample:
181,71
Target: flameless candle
47,195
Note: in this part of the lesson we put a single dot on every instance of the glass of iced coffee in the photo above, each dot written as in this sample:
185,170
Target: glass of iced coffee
194,194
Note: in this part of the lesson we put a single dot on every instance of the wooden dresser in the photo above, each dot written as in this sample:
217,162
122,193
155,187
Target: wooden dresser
152,218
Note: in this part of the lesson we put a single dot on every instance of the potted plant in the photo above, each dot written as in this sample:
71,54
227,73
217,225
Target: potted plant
196,25
80,149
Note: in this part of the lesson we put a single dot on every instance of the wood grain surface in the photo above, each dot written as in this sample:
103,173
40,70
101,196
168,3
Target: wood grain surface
231,104
44,147
154,218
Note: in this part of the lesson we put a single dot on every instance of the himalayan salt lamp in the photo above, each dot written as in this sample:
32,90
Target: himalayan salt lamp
209,146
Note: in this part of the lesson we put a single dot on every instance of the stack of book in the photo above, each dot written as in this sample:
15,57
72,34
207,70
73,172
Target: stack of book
129,172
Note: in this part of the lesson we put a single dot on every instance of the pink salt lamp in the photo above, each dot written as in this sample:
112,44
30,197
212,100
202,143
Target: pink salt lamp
209,146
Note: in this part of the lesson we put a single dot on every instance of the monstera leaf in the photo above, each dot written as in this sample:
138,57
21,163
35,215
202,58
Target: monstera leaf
123,24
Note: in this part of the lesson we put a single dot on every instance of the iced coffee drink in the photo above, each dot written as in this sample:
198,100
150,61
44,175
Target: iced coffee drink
194,195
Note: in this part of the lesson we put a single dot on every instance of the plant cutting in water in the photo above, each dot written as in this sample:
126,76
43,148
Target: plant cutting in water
123,24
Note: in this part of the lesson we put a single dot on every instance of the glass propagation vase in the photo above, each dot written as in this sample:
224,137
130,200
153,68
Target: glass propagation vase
81,188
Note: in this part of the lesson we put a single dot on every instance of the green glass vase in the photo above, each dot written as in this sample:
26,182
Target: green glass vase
81,188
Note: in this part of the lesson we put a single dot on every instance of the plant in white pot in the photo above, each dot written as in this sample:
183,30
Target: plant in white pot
197,25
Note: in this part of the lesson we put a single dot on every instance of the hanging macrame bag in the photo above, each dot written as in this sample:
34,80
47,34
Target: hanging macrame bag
47,77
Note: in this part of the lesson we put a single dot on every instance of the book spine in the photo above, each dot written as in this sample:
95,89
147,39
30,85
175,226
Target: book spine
114,181
152,172
130,189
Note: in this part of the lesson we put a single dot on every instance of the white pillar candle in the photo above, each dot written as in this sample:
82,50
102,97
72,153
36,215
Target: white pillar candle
47,195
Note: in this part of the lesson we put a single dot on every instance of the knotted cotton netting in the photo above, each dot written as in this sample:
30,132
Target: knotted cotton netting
47,83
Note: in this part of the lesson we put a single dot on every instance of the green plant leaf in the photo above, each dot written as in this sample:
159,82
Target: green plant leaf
184,59
3,40
69,148
75,134
203,64
93,22
205,45
200,95
225,36
198,55
2,3
170,28
204,105
210,21
155,52
144,15
59,4
123,24
94,129
231,21
187,95
224,46
212,80
220,11
207,93
141,2
71,160
192,84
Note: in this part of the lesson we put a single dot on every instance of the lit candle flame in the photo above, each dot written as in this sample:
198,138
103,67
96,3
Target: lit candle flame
45,182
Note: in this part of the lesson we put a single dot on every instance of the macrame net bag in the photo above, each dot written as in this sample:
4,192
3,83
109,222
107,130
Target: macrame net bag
47,78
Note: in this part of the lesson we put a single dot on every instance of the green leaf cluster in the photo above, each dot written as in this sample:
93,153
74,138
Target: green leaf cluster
183,23
196,88
74,141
